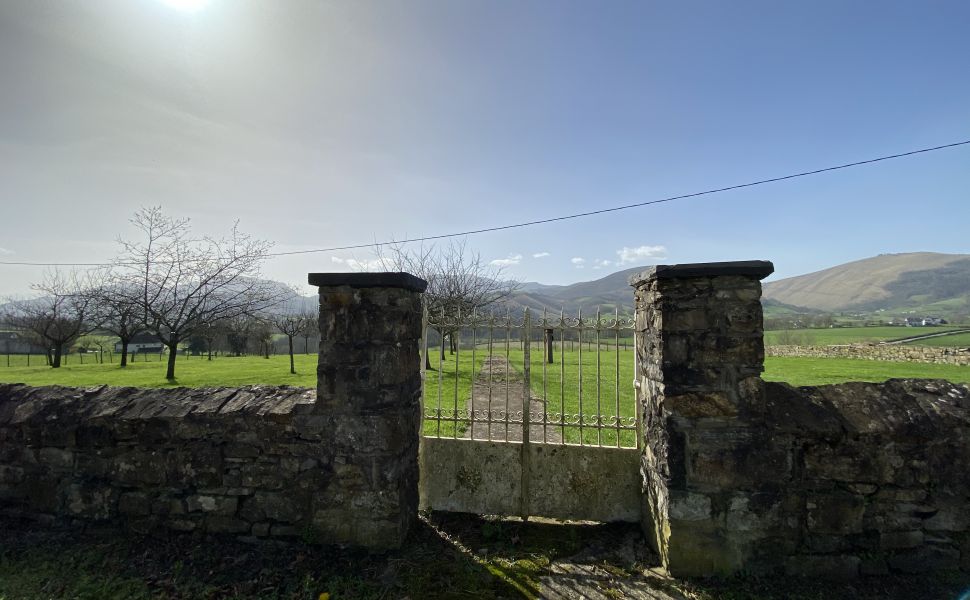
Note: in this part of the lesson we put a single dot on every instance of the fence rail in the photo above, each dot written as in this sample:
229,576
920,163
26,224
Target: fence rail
513,378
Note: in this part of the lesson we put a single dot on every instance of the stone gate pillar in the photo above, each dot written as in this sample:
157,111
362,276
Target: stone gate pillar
369,393
700,354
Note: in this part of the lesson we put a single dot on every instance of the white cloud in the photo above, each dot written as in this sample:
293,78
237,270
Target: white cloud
513,259
640,253
4,251
540,255
600,263
373,264
578,262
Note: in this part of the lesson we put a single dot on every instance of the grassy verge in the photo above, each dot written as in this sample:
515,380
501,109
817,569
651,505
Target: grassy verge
447,556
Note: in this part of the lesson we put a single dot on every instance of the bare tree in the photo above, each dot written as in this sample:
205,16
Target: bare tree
262,334
117,308
311,327
57,317
290,325
187,282
460,282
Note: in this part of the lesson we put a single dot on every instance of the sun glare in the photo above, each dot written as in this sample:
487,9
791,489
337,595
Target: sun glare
186,5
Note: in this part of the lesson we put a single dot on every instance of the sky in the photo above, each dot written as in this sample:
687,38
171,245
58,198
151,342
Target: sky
322,124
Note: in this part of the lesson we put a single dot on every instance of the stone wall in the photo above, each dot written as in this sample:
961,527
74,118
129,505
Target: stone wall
337,466
875,479
889,352
832,481
252,461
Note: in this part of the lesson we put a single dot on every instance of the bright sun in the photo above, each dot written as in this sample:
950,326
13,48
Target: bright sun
186,5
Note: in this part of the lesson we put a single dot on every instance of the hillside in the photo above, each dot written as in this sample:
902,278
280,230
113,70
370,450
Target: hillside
608,293
917,281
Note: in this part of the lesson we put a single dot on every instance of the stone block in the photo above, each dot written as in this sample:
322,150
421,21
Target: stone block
96,502
220,505
226,524
686,506
701,404
835,513
134,503
277,507
11,474
696,548
758,514
736,458
168,506
56,458
895,540
925,558
181,524
842,568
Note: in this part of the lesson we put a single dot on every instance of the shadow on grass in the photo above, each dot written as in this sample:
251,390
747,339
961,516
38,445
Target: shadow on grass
42,563
448,556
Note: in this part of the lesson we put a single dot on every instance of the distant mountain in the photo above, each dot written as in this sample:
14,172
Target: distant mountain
607,293
937,284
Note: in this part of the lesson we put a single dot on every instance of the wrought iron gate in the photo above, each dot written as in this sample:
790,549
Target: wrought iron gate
507,434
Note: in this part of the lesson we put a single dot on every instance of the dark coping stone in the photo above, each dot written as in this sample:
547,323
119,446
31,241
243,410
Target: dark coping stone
748,268
368,280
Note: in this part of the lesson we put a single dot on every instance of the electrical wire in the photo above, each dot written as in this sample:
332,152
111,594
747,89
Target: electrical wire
550,219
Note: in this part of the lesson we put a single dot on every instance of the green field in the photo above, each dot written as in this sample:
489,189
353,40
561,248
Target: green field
821,371
851,335
560,393
959,340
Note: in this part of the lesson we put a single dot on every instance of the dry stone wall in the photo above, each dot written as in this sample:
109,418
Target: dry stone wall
337,465
893,352
833,481
255,462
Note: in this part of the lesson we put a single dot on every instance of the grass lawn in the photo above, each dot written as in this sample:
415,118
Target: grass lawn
851,335
190,371
820,371
556,390
557,384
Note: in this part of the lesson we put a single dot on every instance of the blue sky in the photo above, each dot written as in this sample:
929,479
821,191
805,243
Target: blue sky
325,124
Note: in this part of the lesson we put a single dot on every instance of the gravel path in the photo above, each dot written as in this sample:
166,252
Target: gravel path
507,390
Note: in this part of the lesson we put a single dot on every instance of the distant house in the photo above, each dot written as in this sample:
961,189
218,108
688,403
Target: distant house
143,343
12,342
924,321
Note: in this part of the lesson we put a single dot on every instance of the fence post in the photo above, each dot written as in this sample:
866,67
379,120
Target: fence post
526,414
369,393
699,357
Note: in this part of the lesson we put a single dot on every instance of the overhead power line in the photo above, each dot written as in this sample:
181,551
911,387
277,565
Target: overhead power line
579,215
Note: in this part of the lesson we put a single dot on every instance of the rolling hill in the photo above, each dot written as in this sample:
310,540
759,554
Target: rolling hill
932,283
894,283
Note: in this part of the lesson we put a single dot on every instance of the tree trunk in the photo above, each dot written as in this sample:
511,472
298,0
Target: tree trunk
306,345
451,343
49,357
124,352
208,347
292,368
549,340
172,353
56,361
